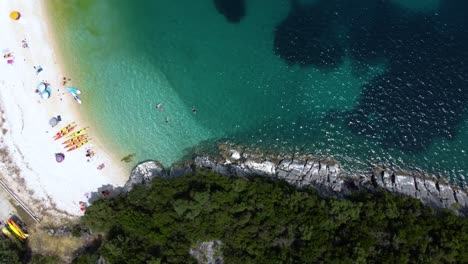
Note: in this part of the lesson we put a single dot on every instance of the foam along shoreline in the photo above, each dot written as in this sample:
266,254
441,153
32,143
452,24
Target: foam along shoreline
28,149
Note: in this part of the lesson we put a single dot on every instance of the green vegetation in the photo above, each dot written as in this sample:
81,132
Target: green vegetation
265,221
11,252
39,259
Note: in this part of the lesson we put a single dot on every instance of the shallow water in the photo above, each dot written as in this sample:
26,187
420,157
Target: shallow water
380,82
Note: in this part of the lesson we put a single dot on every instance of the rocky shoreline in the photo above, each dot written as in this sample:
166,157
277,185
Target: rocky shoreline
306,171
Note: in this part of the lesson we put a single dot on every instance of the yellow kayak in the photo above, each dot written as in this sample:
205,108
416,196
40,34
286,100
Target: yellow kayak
20,229
79,132
78,145
17,232
8,233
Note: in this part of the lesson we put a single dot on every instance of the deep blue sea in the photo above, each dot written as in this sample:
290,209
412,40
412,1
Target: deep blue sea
367,81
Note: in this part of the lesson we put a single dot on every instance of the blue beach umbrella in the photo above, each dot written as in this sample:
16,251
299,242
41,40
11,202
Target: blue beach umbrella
41,87
45,95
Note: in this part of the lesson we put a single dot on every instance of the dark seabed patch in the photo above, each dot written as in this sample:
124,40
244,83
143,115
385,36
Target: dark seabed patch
422,94
307,37
232,10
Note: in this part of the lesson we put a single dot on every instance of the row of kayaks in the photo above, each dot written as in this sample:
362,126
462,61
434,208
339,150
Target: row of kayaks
15,229
74,140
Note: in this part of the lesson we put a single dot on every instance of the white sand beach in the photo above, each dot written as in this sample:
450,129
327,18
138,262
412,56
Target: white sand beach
27,147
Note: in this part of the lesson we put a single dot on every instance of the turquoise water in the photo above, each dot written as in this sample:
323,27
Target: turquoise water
128,56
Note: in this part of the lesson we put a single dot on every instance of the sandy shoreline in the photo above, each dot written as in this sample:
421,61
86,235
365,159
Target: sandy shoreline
28,163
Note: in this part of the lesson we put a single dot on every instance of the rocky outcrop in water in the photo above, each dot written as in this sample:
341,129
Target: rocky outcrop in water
306,171
431,191
143,173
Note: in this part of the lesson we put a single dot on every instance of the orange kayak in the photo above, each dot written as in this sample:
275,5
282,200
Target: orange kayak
65,131
76,142
79,145
75,139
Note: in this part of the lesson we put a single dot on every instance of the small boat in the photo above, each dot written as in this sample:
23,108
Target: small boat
73,90
65,130
77,99
77,138
77,133
79,145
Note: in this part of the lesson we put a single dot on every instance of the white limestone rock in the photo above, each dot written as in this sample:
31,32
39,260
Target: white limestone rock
143,173
265,168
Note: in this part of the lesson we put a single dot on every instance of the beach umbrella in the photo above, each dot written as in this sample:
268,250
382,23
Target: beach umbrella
53,121
45,95
15,15
41,87
59,157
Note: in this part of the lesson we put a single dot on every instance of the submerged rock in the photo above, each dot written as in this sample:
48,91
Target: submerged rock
232,10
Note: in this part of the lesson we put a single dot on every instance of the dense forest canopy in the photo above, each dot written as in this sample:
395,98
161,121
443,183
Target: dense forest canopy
260,220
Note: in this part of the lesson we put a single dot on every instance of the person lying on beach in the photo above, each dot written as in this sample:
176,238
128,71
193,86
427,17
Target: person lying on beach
89,153
24,43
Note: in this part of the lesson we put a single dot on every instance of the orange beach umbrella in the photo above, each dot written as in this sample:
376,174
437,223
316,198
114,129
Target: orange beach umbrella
15,15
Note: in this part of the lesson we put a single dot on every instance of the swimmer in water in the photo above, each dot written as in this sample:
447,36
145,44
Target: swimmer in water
194,110
167,120
159,106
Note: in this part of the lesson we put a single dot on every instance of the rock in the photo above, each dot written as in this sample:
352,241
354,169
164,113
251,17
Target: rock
404,184
306,171
235,154
461,197
180,170
143,173
208,252
265,168
326,177
446,194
